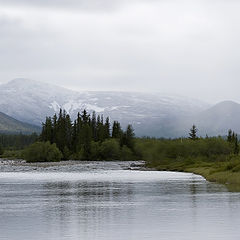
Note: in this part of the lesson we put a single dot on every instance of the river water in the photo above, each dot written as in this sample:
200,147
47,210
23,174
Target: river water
103,201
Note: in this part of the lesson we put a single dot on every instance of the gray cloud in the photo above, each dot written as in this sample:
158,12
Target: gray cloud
93,5
186,47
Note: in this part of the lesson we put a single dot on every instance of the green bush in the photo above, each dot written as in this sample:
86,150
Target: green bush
126,154
95,151
110,150
12,154
162,149
42,152
78,155
66,153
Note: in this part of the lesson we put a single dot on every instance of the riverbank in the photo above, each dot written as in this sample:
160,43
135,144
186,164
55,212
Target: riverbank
227,173
215,158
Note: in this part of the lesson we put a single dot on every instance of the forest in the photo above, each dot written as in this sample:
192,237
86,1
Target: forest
88,137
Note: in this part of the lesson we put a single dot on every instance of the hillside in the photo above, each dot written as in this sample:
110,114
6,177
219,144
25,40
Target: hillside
11,126
151,114
219,118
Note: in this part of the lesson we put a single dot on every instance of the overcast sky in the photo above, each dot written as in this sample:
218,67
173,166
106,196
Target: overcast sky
189,47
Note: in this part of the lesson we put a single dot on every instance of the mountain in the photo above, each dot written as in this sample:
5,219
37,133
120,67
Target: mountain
11,125
219,118
151,114
214,121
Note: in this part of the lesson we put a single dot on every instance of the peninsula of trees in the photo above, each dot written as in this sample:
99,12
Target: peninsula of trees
89,137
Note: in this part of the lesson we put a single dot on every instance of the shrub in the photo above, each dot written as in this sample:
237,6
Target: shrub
126,154
42,152
110,150
78,155
95,151
66,153
13,154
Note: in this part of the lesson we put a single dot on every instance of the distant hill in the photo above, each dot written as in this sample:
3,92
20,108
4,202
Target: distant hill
12,126
214,121
219,118
151,114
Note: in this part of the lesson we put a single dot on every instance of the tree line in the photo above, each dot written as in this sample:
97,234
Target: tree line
17,141
88,137
232,138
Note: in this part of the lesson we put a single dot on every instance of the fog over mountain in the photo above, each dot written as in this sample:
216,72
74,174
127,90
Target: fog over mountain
9,125
151,114
185,47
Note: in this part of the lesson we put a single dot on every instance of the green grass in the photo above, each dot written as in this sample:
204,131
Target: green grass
211,158
227,172
12,154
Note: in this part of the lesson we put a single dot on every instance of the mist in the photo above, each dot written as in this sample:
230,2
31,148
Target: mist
182,47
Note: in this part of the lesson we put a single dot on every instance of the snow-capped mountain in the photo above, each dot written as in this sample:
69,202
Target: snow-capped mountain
151,114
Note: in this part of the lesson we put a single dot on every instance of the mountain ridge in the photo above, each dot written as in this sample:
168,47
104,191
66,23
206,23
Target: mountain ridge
151,114
10,125
36,100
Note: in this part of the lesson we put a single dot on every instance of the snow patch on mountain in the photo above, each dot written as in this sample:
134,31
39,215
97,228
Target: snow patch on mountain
94,108
150,113
55,106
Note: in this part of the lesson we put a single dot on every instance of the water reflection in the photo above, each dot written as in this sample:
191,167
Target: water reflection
114,204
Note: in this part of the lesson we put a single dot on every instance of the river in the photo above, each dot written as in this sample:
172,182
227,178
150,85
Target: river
104,201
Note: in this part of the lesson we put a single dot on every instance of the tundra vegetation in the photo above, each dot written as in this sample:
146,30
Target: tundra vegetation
215,158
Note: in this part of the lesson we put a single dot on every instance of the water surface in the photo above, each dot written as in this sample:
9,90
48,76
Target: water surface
103,201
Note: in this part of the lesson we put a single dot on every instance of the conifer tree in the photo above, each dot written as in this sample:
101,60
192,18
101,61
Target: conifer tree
63,134
68,126
94,126
128,138
229,138
1,149
54,128
74,136
87,136
107,129
193,133
100,129
116,130
47,130
236,146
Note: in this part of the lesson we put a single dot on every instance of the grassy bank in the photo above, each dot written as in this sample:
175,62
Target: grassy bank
212,158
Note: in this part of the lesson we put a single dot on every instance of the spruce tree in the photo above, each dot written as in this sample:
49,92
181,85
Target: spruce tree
87,137
1,149
229,138
47,130
193,133
116,130
54,128
74,136
128,138
107,128
68,126
94,126
236,145
100,129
